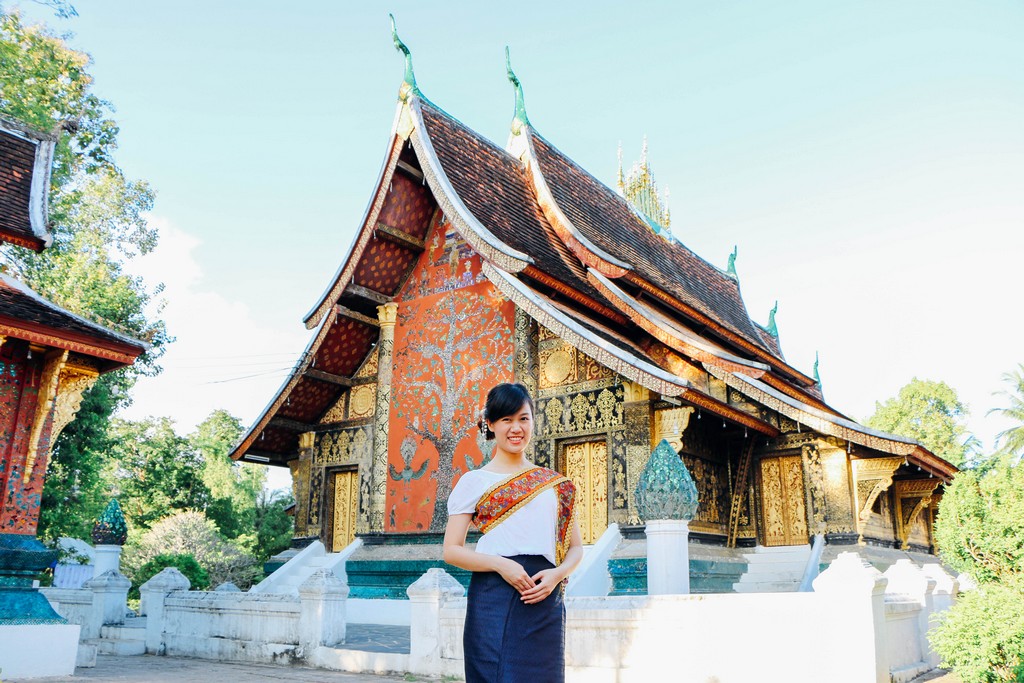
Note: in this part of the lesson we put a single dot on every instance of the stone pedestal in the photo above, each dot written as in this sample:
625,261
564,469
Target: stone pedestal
427,595
109,601
153,594
322,617
668,557
107,558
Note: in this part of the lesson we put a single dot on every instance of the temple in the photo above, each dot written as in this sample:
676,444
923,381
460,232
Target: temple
476,264
48,357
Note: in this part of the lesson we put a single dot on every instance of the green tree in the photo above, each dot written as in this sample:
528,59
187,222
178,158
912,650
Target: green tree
1012,440
156,472
932,414
274,526
98,223
234,487
980,531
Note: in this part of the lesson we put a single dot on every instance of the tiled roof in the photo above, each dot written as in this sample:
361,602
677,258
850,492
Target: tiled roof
495,187
20,303
606,220
22,196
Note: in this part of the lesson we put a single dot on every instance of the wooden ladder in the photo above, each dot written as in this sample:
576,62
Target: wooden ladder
739,492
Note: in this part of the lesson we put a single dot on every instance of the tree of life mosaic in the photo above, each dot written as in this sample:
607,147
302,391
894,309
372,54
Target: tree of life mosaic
453,342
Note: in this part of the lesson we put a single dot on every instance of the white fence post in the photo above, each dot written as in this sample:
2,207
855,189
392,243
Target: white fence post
427,595
858,589
668,556
109,602
153,593
322,612
907,579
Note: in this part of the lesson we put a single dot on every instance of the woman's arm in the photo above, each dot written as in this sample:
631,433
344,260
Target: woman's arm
547,579
456,553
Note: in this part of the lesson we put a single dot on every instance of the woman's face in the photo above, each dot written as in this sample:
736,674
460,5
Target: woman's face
512,433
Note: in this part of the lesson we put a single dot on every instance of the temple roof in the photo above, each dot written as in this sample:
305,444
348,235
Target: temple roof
566,249
25,159
25,314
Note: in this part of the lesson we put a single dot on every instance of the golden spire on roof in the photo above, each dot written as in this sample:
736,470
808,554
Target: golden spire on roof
641,191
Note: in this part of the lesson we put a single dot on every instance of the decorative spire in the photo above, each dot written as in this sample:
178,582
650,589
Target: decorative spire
666,489
773,329
409,82
817,377
730,269
520,119
621,181
110,528
640,190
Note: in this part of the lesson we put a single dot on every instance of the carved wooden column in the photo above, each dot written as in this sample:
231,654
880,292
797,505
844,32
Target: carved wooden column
912,498
387,314
525,367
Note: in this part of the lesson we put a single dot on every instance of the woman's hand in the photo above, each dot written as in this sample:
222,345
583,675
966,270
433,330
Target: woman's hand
514,574
543,582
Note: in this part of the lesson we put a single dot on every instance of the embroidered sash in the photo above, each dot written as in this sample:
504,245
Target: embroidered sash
503,499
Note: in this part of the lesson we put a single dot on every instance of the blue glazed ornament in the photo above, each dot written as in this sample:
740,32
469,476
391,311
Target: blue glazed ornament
110,528
666,489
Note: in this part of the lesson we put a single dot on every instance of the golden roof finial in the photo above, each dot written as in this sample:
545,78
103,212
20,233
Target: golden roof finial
621,177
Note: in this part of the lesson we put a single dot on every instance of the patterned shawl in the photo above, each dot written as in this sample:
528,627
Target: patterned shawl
503,499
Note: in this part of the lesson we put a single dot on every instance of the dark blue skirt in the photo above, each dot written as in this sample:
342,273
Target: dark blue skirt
508,641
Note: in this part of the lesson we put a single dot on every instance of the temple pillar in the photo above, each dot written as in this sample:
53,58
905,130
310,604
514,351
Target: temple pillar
525,366
387,315
871,476
637,415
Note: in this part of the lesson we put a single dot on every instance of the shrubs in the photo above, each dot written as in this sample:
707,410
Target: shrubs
980,531
191,533
186,564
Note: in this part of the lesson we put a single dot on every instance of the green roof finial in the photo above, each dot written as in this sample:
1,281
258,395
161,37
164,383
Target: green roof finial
409,83
730,270
817,377
772,328
520,119
110,528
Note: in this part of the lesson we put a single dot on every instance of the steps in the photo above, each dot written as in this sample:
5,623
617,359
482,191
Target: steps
774,570
126,639
287,579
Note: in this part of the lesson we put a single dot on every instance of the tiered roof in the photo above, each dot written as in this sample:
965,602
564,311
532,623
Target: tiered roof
569,251
25,159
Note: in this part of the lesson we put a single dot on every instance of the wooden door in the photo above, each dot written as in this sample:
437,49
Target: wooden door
782,501
346,507
587,465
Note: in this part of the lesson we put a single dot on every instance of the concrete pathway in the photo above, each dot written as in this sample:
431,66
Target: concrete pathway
151,669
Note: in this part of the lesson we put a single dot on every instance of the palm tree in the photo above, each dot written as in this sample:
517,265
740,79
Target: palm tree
1011,440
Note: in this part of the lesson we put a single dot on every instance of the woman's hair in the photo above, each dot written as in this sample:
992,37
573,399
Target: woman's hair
502,401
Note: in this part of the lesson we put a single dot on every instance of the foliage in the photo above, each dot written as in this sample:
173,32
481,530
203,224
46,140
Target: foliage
980,531
233,487
931,413
274,526
982,636
185,563
1012,440
157,472
980,528
191,533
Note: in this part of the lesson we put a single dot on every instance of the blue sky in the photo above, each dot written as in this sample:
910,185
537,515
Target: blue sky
867,158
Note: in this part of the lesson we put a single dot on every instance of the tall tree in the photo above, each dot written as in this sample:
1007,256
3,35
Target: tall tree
1011,440
98,221
930,412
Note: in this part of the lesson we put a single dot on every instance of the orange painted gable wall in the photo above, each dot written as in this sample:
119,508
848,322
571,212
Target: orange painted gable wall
453,342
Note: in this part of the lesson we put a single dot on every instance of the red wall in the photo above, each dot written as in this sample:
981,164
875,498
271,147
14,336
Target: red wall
453,342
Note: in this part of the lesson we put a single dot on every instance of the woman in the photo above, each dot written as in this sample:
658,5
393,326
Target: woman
515,620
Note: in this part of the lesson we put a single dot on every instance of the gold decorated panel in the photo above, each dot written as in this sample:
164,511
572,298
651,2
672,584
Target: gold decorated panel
362,400
587,465
783,501
369,367
337,412
346,508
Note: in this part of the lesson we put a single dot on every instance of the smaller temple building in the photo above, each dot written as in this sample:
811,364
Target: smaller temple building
48,357
477,264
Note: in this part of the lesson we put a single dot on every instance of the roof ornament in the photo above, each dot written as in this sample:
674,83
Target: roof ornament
641,191
772,328
521,119
817,377
730,269
621,181
409,82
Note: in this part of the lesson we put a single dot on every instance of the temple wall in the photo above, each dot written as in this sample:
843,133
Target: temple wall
453,342
20,380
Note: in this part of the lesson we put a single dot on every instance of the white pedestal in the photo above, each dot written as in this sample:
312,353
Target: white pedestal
668,557
38,651
107,557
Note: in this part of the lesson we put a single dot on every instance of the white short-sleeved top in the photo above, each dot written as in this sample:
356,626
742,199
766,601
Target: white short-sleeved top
530,530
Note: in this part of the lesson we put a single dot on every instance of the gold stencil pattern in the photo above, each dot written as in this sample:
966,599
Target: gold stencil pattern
346,508
782,501
587,465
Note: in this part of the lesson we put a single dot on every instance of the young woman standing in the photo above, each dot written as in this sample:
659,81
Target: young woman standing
515,619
